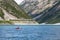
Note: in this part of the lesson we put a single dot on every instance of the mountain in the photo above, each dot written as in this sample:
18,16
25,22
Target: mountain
51,14
11,7
10,10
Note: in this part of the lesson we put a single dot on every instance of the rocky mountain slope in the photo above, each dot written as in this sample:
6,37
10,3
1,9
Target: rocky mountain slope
49,15
12,8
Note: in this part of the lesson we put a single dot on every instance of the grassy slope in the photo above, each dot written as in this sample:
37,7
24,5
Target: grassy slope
14,11
18,13
1,14
5,22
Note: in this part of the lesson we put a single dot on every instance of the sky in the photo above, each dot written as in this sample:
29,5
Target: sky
18,1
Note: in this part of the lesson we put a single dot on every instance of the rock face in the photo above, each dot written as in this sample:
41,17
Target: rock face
43,11
11,7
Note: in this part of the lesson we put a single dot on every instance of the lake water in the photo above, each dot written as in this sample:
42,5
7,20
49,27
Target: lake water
29,32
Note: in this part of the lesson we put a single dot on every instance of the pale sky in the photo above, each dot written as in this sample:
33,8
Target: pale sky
18,1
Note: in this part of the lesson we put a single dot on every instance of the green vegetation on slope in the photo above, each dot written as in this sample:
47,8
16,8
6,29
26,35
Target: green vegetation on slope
11,9
5,22
1,14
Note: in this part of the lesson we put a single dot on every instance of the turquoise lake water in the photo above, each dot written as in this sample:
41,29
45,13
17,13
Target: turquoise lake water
29,32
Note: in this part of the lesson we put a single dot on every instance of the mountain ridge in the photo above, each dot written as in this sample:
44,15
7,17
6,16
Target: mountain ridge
11,7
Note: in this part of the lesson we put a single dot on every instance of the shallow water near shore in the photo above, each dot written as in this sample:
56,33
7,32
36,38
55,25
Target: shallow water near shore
29,32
